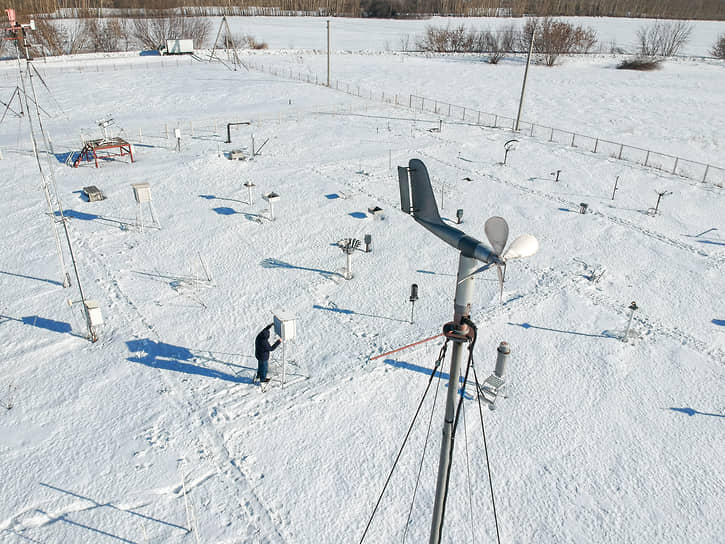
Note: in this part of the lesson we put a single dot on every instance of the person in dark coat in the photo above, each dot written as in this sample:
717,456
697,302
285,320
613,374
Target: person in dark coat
262,348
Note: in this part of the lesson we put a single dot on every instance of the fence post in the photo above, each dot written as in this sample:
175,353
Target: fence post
646,158
551,137
410,101
674,170
621,148
495,120
464,115
435,107
573,135
596,144
449,110
478,122
707,169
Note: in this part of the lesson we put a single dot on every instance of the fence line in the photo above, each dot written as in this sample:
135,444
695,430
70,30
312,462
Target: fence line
663,162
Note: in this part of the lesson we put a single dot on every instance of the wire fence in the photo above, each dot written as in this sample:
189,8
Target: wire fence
663,162
672,164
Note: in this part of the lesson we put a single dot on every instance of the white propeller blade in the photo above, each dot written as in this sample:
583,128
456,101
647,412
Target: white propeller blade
497,232
524,246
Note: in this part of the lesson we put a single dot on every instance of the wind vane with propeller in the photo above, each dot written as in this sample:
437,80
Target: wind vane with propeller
417,199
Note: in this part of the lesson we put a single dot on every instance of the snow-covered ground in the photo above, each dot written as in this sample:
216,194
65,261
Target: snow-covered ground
157,427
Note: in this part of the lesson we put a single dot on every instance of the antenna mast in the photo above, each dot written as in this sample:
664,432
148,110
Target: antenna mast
417,199
19,32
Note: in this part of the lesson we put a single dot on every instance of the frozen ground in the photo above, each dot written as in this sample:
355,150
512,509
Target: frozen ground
600,440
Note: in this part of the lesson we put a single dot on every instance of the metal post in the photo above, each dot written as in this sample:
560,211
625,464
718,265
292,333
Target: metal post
413,298
328,52
616,181
523,86
632,308
348,270
461,308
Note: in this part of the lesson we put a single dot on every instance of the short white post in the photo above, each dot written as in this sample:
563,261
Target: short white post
632,308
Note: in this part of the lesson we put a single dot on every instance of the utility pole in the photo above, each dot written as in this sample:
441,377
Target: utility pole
523,85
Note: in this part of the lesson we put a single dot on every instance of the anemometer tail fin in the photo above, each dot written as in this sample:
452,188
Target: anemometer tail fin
416,193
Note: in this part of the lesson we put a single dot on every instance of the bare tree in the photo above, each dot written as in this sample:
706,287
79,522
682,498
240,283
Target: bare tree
553,38
447,40
105,35
663,38
56,38
718,50
497,43
153,32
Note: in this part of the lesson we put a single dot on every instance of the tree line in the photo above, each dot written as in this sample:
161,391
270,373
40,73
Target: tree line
662,9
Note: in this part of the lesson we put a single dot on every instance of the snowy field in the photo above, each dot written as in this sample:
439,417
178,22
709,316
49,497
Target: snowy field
157,428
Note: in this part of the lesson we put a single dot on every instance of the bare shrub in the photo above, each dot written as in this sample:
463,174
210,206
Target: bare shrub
405,42
718,50
553,37
106,35
56,38
252,43
153,32
447,40
497,43
663,38
640,63
584,40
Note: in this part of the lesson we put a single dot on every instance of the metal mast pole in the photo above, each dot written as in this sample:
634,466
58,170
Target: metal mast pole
461,308
328,52
523,85
46,191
